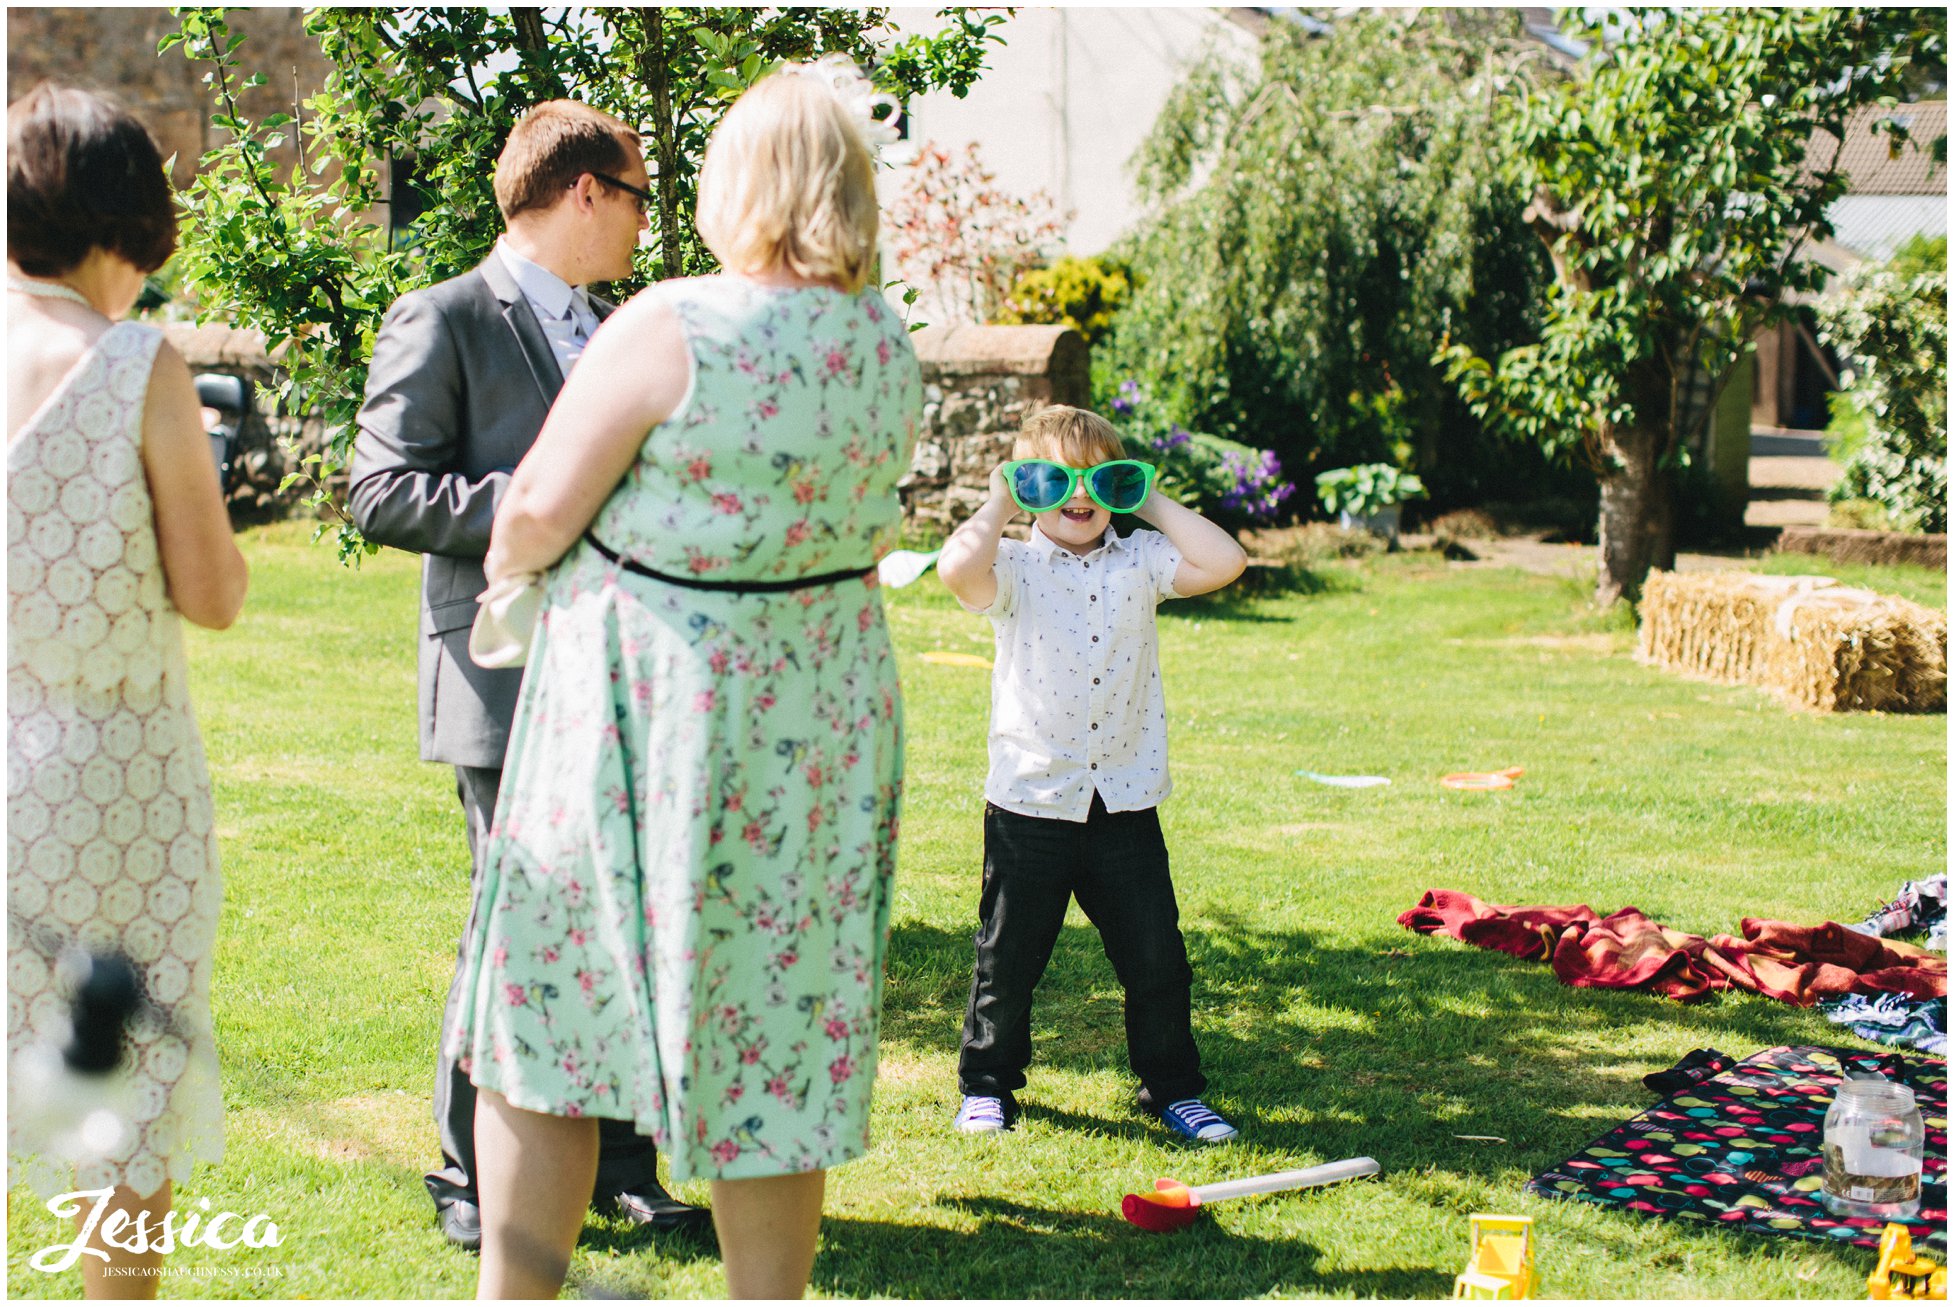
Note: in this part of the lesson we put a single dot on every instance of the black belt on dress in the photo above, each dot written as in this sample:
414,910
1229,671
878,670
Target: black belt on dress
693,583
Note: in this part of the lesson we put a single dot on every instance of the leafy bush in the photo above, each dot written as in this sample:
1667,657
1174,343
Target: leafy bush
1846,432
1859,515
1080,293
1893,329
1919,254
1318,221
1235,484
960,238
1367,488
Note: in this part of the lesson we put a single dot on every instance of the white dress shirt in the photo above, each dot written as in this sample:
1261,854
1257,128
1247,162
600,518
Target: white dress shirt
1076,701
563,310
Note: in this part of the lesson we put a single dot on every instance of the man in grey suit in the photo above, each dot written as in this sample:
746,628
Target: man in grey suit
463,375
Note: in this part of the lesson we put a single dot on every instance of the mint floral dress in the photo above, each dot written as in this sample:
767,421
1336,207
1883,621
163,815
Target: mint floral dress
686,895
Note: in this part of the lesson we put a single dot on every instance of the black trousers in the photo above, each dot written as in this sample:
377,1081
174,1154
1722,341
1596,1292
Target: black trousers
1116,865
627,1162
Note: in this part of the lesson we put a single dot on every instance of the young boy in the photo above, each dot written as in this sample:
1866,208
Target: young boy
1078,752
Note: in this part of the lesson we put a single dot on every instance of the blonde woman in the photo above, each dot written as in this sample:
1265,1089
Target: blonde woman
686,888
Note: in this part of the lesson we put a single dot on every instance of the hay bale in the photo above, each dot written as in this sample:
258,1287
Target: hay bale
1809,639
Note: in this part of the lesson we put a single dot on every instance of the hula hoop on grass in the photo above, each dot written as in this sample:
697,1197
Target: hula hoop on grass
1345,782
1482,780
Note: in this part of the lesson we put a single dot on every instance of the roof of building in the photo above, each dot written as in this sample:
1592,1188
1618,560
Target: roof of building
1874,165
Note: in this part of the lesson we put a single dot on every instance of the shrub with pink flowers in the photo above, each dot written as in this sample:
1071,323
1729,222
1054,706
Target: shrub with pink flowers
961,239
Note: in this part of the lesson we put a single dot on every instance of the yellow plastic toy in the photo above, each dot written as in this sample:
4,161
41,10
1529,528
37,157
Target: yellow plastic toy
1900,1274
1502,1259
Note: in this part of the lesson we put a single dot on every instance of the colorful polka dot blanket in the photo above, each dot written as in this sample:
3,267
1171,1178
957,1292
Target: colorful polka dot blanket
1742,1149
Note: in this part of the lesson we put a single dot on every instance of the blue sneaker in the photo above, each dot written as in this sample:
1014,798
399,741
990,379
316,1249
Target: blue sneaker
1197,1123
980,1115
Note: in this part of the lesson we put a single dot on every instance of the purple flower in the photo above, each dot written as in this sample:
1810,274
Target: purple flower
1173,440
1256,486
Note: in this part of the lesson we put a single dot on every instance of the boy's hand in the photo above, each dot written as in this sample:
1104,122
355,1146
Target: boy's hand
969,558
1210,557
1149,510
1001,489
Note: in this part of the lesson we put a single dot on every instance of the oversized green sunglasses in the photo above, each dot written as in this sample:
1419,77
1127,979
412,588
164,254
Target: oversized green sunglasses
1039,485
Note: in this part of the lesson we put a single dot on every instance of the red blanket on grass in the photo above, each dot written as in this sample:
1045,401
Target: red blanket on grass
1626,950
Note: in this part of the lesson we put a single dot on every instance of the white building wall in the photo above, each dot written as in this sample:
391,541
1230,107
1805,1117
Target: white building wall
1066,103
1874,226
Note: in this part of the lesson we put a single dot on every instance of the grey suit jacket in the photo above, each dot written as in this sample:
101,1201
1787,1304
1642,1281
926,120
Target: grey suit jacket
461,379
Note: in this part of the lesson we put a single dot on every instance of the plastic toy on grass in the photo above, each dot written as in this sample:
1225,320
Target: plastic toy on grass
901,567
1174,1206
1900,1274
1345,782
1482,780
1502,1259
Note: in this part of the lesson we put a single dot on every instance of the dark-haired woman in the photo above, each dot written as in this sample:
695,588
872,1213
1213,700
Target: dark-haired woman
115,526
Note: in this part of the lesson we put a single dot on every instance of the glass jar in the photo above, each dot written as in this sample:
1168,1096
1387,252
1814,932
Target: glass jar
1874,1143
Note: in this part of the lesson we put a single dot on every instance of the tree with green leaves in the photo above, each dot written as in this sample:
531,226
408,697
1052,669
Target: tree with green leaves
295,254
1317,218
1671,183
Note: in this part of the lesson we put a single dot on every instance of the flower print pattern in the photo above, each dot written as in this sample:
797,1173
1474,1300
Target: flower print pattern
794,400
687,883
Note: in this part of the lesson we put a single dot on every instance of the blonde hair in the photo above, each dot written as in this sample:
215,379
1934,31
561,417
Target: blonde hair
1073,436
789,182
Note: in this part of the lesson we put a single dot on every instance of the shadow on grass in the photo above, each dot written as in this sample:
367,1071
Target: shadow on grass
1020,1250
1264,581
1389,1048
613,1238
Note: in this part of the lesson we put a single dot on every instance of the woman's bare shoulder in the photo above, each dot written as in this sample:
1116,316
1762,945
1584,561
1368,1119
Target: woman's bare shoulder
42,350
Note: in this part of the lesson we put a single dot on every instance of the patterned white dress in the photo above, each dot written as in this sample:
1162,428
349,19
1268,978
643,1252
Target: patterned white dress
110,841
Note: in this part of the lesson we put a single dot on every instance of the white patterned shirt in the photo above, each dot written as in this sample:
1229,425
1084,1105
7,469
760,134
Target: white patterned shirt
1076,701
562,310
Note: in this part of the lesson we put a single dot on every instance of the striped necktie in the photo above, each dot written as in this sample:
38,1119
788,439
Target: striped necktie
581,322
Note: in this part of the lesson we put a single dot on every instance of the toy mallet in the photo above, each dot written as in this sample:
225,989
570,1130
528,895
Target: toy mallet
1173,1205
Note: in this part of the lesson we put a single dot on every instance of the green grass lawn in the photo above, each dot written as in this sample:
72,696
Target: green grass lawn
1327,1031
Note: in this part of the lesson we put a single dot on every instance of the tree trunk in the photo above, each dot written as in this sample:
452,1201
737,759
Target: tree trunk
1638,512
655,68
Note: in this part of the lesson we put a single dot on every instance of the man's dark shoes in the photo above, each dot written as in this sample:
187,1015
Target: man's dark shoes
461,1224
654,1209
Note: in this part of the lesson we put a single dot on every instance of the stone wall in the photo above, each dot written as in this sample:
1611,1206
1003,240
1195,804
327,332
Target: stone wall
114,50
273,441
979,384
